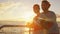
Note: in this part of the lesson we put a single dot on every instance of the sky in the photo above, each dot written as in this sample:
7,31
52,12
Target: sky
22,9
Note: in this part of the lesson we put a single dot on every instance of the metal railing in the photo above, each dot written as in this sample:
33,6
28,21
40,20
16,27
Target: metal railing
14,26
17,26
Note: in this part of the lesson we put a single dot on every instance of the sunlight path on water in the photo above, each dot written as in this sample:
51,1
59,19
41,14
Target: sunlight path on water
26,31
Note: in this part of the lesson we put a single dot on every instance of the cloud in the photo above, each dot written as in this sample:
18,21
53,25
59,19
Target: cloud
4,1
5,9
13,10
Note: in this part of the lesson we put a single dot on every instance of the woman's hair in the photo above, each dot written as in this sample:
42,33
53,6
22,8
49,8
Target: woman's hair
47,3
36,5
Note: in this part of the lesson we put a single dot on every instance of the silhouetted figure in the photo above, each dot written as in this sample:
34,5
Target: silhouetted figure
36,22
37,29
49,19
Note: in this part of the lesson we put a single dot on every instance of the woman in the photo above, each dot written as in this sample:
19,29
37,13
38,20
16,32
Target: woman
37,29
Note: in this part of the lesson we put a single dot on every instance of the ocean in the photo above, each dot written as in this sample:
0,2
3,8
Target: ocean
17,30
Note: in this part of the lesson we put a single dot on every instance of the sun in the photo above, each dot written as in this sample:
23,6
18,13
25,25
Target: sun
28,16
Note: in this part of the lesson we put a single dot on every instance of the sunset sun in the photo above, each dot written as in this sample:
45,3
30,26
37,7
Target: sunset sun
28,16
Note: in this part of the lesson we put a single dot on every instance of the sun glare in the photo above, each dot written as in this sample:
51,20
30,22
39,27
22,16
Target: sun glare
28,16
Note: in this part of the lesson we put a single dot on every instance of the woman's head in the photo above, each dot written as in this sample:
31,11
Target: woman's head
36,8
45,5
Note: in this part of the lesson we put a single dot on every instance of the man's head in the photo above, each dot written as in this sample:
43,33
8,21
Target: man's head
45,5
36,8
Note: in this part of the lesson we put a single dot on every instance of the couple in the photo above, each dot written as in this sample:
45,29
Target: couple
45,22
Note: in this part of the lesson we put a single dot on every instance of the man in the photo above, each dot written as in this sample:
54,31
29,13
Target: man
50,23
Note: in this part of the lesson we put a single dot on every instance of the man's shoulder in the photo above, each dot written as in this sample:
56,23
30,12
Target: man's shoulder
51,12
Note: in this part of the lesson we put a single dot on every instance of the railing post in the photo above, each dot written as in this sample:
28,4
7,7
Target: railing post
29,30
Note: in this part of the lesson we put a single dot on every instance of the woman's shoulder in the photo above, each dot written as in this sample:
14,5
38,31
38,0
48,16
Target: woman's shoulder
35,17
